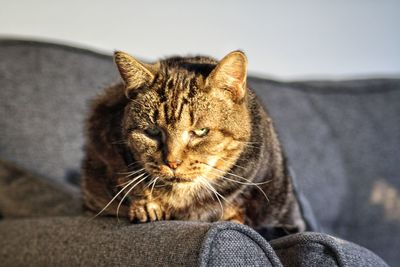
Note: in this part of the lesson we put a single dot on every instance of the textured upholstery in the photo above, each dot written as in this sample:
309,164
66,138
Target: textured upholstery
313,249
104,242
342,138
76,241
343,142
23,195
245,247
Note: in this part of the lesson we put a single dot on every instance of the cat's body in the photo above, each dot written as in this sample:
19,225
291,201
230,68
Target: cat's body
190,142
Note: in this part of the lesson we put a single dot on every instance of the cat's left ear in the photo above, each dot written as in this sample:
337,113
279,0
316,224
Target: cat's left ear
134,73
231,74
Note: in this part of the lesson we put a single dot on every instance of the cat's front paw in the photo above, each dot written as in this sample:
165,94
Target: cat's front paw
146,211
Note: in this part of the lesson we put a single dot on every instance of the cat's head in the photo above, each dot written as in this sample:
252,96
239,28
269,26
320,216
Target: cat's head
188,118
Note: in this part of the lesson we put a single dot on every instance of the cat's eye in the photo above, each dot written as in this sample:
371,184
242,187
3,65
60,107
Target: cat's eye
153,131
201,132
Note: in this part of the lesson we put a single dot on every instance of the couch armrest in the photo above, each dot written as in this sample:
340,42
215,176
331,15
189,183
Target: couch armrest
317,249
75,241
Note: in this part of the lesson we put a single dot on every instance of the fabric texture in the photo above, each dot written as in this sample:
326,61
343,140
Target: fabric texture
76,241
23,195
45,92
315,249
342,138
254,252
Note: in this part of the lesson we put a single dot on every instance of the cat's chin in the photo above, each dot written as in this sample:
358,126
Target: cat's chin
174,180
179,180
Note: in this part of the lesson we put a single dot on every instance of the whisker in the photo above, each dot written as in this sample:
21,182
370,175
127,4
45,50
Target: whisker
256,185
130,189
131,173
109,203
210,183
151,164
154,183
237,159
238,176
207,189
250,182
149,183
212,189
121,184
232,163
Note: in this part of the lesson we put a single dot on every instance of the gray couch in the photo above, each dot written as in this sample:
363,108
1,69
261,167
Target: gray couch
342,139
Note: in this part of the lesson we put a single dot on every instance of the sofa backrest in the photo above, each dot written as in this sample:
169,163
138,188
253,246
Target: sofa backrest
342,138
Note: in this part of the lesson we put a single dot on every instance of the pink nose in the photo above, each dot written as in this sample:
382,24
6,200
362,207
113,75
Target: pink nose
174,164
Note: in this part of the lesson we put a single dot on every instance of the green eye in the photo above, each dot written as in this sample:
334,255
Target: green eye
201,132
153,131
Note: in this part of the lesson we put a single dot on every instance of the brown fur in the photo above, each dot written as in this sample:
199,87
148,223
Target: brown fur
148,129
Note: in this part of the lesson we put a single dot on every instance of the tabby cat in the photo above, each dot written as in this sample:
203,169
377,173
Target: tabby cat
186,139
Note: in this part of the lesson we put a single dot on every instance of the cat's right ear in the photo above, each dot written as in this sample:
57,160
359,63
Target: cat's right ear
134,73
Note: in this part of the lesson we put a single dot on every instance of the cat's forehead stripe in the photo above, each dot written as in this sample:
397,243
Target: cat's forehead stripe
178,90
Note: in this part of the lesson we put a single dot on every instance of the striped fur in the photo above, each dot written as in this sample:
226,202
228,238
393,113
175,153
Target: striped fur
236,172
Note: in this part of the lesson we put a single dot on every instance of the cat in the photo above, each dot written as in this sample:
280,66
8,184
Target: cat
186,139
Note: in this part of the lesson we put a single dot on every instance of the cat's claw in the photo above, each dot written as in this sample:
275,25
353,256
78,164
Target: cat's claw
146,211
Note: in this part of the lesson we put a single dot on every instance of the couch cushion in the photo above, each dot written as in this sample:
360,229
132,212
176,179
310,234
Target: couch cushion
45,91
343,141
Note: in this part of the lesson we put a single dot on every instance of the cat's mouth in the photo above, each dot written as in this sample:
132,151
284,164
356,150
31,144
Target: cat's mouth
173,179
170,176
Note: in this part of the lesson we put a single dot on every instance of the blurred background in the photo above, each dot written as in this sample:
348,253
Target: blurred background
283,39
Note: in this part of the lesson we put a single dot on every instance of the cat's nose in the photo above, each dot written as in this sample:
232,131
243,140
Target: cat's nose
173,164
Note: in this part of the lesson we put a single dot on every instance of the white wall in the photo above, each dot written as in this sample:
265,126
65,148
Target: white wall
284,39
